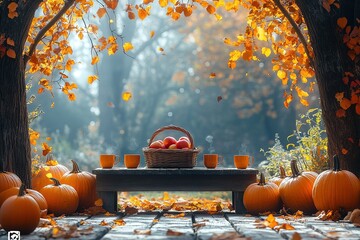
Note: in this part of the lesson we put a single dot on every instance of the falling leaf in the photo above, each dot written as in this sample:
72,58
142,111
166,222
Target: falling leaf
342,22
210,9
127,46
218,17
266,51
219,98
101,12
71,96
180,215
126,96
142,232
212,75
99,202
92,78
110,104
46,149
142,13
152,33
163,3
344,151
345,103
11,53
170,232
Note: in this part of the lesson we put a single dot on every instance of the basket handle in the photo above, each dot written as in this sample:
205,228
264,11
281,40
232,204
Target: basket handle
172,127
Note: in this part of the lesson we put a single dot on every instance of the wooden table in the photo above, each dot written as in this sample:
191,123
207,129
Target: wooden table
111,181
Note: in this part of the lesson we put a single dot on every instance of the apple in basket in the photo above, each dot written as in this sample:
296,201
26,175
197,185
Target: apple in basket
182,144
169,141
186,139
157,144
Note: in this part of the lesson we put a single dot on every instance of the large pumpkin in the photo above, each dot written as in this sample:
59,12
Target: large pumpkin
20,213
296,190
336,189
61,198
8,180
84,183
279,179
39,198
51,169
262,197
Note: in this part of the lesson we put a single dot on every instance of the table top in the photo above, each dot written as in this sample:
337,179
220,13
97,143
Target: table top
172,171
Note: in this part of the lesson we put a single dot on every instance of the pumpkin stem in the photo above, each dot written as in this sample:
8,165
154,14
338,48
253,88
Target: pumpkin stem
75,167
282,172
22,191
336,163
262,179
56,182
294,168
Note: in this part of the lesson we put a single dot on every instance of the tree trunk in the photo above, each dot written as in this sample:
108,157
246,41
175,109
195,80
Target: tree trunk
14,133
331,62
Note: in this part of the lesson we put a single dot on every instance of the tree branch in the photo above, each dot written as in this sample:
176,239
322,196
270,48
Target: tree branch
40,35
296,28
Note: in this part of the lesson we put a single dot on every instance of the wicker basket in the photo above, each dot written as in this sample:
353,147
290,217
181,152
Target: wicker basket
170,158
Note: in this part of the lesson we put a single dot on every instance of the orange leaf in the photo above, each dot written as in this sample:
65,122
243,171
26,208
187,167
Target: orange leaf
11,53
231,64
188,11
210,9
99,202
175,16
152,33
342,22
71,97
40,90
12,10
163,3
127,46
344,151
326,5
92,78
212,75
10,42
142,13
101,12
112,4
345,103
95,60
131,15
340,113
296,236
126,96
339,96
173,233
46,149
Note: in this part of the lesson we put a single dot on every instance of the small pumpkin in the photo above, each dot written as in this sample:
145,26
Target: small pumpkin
8,180
39,198
61,198
51,169
278,180
84,183
262,197
296,190
20,213
336,189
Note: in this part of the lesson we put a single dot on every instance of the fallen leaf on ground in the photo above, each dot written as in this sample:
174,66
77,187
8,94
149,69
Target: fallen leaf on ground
130,210
296,236
170,232
119,222
168,215
142,232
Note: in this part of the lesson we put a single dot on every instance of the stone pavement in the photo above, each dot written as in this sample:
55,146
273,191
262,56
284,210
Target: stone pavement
189,225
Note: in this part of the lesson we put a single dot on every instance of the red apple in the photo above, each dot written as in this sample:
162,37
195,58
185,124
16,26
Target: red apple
172,146
185,138
169,141
182,144
157,144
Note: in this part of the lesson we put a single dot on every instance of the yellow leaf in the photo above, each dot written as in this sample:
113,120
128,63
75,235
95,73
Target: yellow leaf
127,46
152,33
94,60
166,196
11,53
113,49
345,103
52,105
261,34
266,51
10,42
49,175
126,96
101,12
163,3
72,97
342,22
92,78
218,17
281,74
81,35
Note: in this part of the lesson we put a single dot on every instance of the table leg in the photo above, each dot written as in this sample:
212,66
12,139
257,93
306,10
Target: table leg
237,201
109,201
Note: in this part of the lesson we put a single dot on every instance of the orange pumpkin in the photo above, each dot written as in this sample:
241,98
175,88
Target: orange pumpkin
278,180
84,183
336,189
20,213
296,190
262,197
51,169
39,198
61,198
8,180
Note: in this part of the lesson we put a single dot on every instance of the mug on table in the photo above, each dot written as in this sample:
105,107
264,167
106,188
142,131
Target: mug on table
109,160
241,161
132,160
211,160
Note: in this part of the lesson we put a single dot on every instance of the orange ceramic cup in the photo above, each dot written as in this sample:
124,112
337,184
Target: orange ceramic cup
108,160
211,160
132,160
241,161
